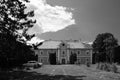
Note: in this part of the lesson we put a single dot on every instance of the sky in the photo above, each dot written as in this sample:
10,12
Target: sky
75,19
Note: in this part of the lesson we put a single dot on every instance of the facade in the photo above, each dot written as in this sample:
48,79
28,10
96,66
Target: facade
64,52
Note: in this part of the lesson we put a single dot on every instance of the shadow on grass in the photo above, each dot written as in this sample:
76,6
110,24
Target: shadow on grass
22,75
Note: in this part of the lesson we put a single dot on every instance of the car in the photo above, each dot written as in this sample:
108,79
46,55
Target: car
32,64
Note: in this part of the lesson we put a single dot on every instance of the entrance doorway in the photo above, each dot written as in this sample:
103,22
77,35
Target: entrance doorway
63,61
52,58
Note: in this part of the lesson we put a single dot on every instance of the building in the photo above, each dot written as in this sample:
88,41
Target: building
64,52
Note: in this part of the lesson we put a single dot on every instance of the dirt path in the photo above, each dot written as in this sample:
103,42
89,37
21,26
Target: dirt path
69,72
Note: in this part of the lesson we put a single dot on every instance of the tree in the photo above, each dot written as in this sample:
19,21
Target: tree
73,58
117,54
103,47
14,19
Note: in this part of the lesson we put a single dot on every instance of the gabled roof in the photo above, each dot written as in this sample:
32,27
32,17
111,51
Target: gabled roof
76,45
49,44
54,44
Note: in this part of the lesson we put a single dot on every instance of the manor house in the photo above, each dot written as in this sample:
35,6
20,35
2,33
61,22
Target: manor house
64,52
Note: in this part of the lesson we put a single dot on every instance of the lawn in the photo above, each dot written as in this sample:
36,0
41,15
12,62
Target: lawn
60,72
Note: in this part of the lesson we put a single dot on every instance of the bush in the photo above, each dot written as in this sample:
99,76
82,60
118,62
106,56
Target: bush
107,67
88,64
114,68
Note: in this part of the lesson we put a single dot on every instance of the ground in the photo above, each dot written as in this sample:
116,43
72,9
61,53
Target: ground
61,72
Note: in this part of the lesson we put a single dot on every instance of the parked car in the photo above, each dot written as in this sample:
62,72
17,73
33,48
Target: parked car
32,64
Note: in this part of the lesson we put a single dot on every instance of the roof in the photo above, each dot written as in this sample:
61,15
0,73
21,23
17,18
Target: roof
76,45
49,45
54,44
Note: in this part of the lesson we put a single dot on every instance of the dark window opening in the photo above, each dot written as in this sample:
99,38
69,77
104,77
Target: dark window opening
63,52
63,61
87,59
87,52
41,60
78,52
41,53
71,52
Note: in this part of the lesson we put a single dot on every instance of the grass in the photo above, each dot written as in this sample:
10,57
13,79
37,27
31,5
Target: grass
93,73
73,72
21,75
108,67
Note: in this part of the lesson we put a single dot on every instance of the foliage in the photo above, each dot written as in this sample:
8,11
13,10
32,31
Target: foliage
107,67
88,64
103,47
117,55
73,58
13,19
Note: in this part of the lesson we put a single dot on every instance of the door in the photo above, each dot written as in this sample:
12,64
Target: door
63,61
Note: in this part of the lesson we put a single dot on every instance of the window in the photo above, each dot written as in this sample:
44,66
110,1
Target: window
41,60
71,52
79,61
78,52
63,52
41,52
87,52
87,59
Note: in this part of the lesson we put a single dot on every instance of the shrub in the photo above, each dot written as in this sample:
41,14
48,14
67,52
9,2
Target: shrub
107,67
88,64
114,68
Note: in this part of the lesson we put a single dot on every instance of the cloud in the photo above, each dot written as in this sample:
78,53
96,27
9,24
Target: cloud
34,40
51,18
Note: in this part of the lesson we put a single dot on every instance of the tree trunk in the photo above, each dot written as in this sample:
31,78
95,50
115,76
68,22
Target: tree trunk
111,55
